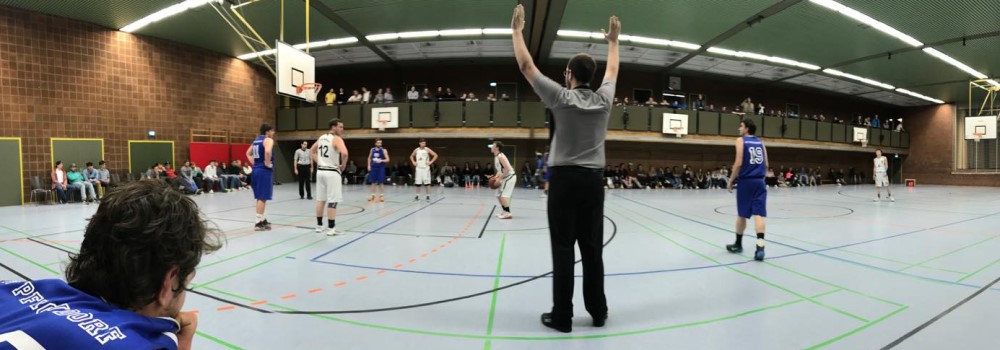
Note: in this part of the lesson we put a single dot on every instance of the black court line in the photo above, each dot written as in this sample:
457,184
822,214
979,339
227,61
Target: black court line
8,268
488,217
614,233
250,207
939,316
849,212
410,234
50,246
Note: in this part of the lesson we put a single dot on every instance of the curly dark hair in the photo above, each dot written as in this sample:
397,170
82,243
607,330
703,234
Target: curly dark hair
141,230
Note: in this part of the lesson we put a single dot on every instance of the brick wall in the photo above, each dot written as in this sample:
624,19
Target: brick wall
64,78
932,150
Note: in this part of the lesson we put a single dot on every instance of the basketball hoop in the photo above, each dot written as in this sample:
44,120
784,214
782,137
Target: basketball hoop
864,143
312,87
382,124
977,136
677,131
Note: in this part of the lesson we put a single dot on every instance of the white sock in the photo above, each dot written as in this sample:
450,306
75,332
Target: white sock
760,242
260,217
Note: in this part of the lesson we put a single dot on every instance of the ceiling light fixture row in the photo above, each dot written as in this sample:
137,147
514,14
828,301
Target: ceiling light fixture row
441,33
629,38
164,13
311,45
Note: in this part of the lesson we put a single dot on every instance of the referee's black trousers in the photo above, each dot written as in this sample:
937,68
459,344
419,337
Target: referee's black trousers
576,216
304,175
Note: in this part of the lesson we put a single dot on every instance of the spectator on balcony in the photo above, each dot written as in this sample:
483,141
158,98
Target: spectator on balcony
699,103
448,95
899,126
366,96
747,106
858,121
379,97
426,95
822,118
439,94
355,97
330,97
616,102
387,96
664,102
472,97
491,97
504,97
342,97
711,107
650,101
876,123
868,122
626,102
412,95
760,108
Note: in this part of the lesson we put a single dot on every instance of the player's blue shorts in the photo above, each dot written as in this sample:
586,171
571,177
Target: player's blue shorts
547,172
751,198
377,176
262,183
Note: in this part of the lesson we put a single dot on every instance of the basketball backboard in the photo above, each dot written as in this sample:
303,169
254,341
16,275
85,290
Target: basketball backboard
294,68
675,124
860,135
986,127
385,117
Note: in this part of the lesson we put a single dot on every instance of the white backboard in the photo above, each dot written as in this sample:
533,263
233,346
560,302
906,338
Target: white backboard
293,68
984,125
388,114
860,134
671,121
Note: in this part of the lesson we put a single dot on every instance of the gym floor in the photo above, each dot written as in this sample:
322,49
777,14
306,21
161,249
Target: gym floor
841,271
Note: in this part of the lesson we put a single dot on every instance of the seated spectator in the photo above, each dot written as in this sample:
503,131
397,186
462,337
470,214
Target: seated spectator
477,174
379,97
187,178
93,177
109,299
412,95
387,96
60,183
355,98
198,176
225,172
248,172
236,169
642,176
330,97
212,178
78,182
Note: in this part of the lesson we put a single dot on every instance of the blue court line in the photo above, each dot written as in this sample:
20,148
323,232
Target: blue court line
366,234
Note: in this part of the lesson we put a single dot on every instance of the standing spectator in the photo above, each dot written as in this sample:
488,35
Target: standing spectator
355,97
60,183
491,98
747,106
387,96
426,95
366,96
876,123
330,97
504,97
341,96
379,97
899,126
412,95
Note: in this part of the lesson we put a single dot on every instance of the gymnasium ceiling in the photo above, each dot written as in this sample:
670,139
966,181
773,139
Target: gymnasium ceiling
798,30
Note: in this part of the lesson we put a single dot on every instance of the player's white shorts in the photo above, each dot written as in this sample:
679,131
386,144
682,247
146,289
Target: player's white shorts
328,186
422,176
507,186
881,180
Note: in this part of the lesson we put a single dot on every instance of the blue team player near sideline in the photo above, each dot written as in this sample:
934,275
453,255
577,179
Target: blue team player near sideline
378,157
261,157
109,300
751,192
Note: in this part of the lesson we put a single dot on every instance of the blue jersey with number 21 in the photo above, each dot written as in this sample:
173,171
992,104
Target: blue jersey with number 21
257,151
753,159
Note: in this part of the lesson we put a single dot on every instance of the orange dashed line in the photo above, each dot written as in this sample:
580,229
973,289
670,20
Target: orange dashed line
434,250
381,271
290,296
362,278
442,246
317,290
225,308
338,285
424,255
413,260
397,266
262,302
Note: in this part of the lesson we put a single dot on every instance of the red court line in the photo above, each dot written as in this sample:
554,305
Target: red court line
362,278
424,255
225,308
398,266
261,302
413,260
381,271
339,284
290,296
317,290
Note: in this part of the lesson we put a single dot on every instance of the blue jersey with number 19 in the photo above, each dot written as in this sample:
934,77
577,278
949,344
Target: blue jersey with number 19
753,159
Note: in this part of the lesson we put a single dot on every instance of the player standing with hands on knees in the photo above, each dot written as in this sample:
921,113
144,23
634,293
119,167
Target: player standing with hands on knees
576,161
749,170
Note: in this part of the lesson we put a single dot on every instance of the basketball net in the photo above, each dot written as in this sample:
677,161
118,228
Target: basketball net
311,89
677,132
864,143
381,125
977,137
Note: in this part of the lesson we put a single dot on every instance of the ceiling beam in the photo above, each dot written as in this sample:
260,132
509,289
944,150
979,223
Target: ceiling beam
343,24
756,18
535,24
550,28
886,55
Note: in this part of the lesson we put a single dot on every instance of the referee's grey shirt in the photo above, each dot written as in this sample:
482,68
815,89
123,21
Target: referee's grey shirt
581,122
302,157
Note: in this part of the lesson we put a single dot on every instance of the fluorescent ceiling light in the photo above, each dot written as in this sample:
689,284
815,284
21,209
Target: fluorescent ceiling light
922,97
993,82
496,31
940,55
629,38
461,32
721,51
859,78
756,56
164,13
863,18
380,37
420,34
312,45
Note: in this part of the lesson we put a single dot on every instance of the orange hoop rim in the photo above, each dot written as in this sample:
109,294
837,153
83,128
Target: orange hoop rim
308,86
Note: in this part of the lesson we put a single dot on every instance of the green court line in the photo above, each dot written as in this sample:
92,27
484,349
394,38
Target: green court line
978,271
853,331
218,341
529,338
949,253
43,267
747,274
193,286
493,302
71,248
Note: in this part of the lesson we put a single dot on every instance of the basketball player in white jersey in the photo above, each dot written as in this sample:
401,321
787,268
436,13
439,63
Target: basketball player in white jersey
330,155
881,176
422,158
507,178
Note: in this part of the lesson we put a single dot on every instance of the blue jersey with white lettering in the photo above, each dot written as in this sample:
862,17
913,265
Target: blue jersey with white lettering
50,314
257,151
754,159
378,153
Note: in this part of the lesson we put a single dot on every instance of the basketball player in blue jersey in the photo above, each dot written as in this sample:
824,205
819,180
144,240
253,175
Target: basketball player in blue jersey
261,157
749,169
377,158
109,301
